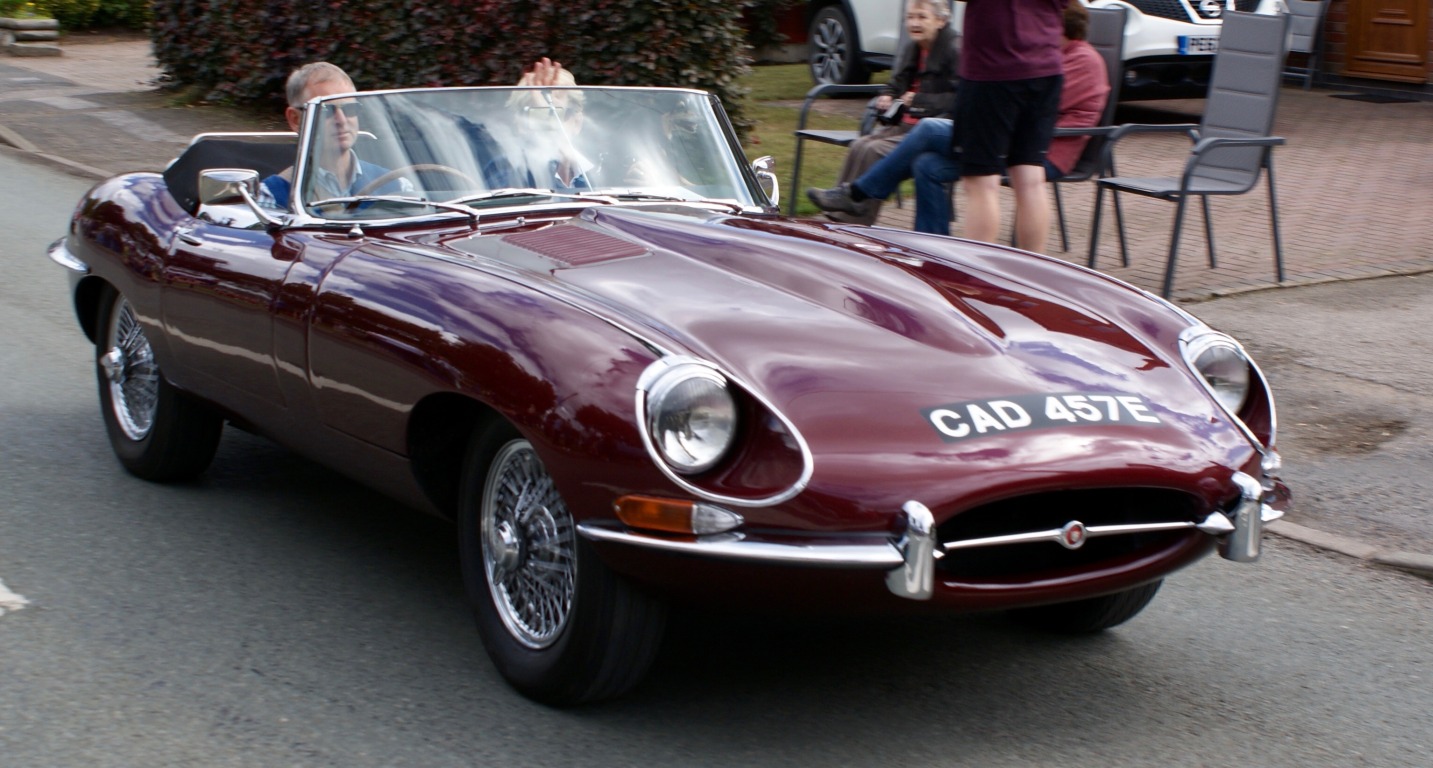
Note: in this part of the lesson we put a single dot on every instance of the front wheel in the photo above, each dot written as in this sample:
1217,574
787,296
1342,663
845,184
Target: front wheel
157,432
1087,616
559,626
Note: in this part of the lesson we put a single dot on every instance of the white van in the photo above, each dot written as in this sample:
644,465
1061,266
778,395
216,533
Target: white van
1169,44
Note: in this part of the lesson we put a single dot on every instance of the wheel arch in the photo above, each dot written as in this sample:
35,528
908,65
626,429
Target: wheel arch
87,295
438,432
814,8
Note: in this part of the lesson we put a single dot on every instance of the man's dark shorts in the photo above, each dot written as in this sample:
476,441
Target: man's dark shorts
1004,122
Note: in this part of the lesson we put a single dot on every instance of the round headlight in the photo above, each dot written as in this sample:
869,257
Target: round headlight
691,417
1224,367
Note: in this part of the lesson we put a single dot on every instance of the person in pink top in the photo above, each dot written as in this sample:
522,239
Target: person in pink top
1082,97
1005,112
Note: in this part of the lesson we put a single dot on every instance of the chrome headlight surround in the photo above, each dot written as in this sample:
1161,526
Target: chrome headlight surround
1212,355
689,415
1222,364
660,381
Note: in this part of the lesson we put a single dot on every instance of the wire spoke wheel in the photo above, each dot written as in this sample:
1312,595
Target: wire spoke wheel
529,547
560,626
131,373
156,431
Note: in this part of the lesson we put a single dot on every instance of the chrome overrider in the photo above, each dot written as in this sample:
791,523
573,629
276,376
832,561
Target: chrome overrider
910,558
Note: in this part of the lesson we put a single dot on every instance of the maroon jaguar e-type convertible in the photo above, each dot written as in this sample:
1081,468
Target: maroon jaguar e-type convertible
572,321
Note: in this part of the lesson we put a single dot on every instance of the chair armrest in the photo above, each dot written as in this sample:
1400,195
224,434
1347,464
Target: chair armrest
1190,129
827,90
1107,153
1216,142
1204,149
1092,130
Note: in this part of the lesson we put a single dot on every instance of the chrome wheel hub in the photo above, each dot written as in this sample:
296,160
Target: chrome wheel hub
130,373
529,547
507,548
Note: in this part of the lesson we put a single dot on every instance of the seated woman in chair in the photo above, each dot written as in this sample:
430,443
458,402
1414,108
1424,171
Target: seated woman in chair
924,82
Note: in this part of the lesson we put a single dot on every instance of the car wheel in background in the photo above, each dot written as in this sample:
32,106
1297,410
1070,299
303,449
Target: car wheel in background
1085,616
559,626
834,56
157,432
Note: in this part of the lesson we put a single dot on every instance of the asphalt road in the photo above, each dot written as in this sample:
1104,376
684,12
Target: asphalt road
1351,364
276,614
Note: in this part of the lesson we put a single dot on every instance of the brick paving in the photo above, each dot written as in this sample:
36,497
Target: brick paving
1355,180
1355,193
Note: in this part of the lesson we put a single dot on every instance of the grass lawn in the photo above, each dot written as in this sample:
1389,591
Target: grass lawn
774,105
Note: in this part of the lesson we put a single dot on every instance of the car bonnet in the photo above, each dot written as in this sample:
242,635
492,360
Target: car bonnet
875,340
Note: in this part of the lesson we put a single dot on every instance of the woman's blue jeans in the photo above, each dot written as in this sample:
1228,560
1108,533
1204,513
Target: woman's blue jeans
924,155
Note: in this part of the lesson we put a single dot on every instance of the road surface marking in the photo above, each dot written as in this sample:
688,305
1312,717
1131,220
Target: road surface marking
9,601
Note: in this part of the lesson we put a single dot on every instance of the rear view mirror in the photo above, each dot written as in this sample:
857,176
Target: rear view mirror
233,186
226,186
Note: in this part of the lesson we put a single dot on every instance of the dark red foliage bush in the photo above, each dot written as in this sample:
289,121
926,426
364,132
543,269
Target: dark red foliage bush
242,50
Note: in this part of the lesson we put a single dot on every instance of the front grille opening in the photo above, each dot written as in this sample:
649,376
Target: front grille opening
1038,512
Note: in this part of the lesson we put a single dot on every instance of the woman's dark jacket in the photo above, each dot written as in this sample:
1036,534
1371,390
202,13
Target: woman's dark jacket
938,79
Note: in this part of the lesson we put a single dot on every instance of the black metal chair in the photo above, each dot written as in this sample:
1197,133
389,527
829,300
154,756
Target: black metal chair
840,138
1232,145
1307,37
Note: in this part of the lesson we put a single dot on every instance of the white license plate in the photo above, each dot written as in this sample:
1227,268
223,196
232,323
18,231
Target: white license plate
1190,45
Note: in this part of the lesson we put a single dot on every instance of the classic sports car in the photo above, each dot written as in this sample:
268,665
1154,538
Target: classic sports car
572,321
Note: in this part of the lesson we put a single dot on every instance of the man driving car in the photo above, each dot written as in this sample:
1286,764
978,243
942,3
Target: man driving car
339,171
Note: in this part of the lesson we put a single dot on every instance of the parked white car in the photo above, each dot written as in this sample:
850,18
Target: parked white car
1169,44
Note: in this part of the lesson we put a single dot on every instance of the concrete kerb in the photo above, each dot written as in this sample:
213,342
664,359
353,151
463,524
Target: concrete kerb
12,139
1421,565
1415,563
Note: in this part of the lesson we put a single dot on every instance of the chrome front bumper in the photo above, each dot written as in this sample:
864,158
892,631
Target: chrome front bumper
910,559
59,252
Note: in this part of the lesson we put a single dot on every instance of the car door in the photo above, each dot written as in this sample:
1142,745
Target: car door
219,284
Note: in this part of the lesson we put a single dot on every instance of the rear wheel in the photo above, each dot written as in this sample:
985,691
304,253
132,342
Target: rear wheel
559,626
835,52
1086,616
157,432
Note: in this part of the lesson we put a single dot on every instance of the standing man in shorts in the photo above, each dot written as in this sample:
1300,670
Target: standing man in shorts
1005,112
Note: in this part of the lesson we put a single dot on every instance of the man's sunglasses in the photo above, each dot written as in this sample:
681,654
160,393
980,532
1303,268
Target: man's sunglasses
351,110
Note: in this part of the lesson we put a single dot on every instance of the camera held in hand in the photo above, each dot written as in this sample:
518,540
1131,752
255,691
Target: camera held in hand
892,114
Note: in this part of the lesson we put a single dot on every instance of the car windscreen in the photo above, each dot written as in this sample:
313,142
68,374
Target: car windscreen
484,147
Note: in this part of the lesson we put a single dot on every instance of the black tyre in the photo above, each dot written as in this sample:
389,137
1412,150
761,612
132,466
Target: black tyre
157,432
1087,616
835,52
559,626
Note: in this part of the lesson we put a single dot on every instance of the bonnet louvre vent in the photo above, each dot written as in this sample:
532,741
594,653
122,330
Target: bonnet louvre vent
575,246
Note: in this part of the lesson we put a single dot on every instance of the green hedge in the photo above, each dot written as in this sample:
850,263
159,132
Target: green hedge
242,50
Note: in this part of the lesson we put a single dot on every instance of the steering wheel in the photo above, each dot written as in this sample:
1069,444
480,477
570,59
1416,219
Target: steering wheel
407,169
